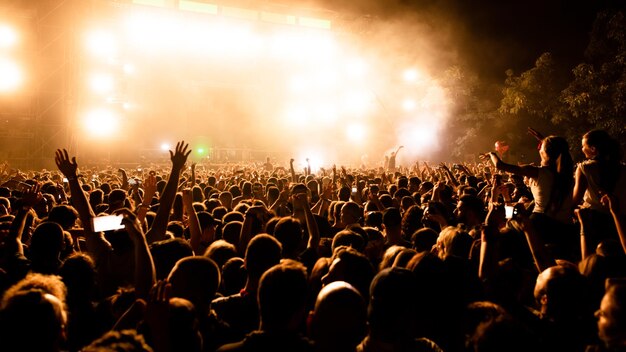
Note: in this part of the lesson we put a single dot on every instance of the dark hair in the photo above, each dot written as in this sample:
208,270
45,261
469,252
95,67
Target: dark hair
608,156
560,162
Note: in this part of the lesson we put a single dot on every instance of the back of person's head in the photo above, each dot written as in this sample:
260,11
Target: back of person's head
454,241
348,238
63,215
263,252
391,308
344,194
412,220
47,240
32,320
350,213
374,219
117,198
176,228
51,284
167,253
195,279
424,239
339,318
78,273
231,232
562,292
503,333
234,276
119,341
233,216
386,200
350,266
220,251
288,232
282,296
392,218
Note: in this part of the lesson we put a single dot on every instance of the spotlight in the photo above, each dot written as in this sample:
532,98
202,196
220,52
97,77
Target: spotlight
355,132
8,36
128,69
101,123
101,83
411,75
408,104
165,147
101,44
11,76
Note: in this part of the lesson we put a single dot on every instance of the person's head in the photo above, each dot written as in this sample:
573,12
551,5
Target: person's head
348,238
231,231
554,152
374,219
167,253
263,252
561,292
63,215
598,144
454,241
412,220
612,316
282,296
424,239
339,319
195,279
47,241
392,220
32,320
350,213
119,341
470,210
350,266
391,312
220,251
288,232
78,273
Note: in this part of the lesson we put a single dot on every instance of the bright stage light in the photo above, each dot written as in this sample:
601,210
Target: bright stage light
408,104
358,102
165,147
101,83
101,123
411,75
297,115
11,77
356,68
8,36
128,69
356,133
101,44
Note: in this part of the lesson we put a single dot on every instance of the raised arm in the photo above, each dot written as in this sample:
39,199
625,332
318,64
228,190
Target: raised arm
194,224
293,171
145,276
159,225
149,190
611,202
580,185
301,202
29,199
524,170
69,169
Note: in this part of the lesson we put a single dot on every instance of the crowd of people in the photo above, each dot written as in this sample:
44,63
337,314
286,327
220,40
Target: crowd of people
487,256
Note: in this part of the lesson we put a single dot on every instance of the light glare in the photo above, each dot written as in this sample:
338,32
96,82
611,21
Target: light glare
10,76
101,123
101,83
101,44
8,36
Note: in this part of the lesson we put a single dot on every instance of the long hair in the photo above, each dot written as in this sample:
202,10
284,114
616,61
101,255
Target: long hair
608,157
560,162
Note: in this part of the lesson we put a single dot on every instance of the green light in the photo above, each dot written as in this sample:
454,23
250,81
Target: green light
200,150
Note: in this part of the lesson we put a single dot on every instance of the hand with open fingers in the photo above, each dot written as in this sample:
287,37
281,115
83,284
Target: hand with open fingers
32,196
69,168
149,186
179,156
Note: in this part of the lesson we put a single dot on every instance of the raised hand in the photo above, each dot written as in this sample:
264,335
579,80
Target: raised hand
179,156
32,196
68,168
300,201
